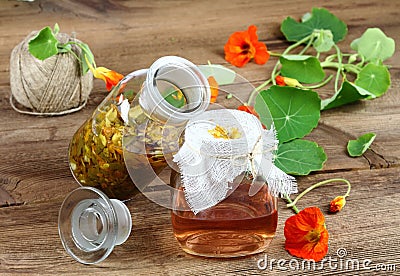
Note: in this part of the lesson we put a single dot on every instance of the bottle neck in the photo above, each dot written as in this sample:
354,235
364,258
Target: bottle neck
169,74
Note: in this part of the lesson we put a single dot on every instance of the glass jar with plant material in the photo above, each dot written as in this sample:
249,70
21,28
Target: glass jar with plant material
127,140
225,204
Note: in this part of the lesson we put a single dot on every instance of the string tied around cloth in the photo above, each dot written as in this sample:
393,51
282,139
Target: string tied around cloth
209,165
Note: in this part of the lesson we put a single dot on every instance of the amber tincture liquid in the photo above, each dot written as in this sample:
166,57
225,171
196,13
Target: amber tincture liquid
239,225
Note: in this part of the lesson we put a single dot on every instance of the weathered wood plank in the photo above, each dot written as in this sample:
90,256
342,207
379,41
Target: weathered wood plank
153,249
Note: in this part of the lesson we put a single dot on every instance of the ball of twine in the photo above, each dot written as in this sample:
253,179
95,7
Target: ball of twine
54,86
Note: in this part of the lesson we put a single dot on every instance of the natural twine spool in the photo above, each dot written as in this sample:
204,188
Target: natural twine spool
54,86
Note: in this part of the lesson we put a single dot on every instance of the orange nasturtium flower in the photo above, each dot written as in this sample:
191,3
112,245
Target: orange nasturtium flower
214,88
337,204
110,77
283,81
280,80
306,234
243,46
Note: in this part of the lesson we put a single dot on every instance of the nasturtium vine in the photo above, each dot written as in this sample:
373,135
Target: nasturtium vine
358,75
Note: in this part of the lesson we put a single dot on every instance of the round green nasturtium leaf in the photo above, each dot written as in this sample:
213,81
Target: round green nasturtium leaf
374,45
374,78
295,112
348,93
359,146
300,157
44,44
320,19
305,69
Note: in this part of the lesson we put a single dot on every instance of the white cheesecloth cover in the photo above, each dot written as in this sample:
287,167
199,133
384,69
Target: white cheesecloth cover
208,165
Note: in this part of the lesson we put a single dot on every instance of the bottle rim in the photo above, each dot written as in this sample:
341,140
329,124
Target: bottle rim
182,74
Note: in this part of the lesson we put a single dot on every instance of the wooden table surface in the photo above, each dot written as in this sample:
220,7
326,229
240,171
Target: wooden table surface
128,35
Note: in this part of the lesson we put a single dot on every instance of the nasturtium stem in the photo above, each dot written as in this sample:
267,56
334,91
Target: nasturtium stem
274,54
292,205
339,70
71,52
82,46
361,63
328,79
347,67
348,188
330,64
310,41
256,90
274,73
330,58
318,185
352,68
298,43
261,86
72,43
